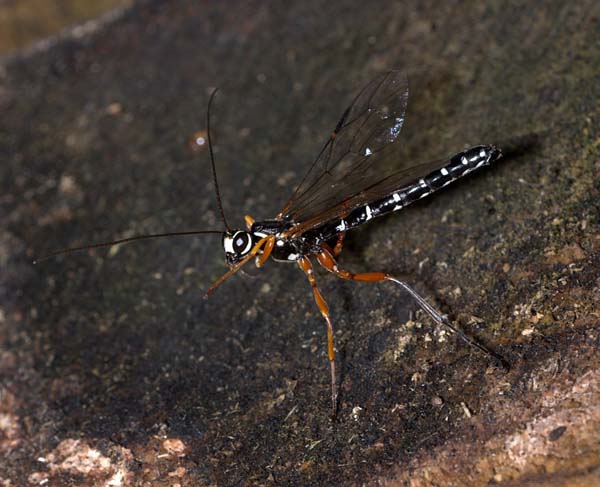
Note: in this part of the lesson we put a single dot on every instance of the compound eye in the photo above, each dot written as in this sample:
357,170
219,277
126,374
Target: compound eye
242,243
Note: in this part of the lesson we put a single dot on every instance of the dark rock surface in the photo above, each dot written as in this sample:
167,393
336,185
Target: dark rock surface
113,369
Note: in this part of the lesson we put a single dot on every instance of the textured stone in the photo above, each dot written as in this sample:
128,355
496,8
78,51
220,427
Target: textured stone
114,352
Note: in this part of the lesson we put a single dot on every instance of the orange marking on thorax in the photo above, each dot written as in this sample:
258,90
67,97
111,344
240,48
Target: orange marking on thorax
249,222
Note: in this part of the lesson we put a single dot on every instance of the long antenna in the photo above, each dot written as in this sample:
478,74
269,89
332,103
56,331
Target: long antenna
125,240
212,161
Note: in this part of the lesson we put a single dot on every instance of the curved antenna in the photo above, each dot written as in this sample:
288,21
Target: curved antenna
125,240
212,160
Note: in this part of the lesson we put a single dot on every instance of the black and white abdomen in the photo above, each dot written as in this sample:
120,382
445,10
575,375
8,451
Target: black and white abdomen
458,166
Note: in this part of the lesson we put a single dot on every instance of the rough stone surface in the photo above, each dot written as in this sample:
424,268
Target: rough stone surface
115,372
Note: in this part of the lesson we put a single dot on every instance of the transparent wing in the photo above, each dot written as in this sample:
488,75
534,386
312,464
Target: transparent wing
350,160
360,193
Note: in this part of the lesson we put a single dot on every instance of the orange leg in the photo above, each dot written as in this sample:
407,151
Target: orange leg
326,259
337,250
306,267
268,242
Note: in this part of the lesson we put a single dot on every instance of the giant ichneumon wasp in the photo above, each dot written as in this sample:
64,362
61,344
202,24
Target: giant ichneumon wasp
343,188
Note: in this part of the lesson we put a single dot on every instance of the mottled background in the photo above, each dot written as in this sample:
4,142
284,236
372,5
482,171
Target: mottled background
115,372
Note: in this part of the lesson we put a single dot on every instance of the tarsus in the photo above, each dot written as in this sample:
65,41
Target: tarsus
443,320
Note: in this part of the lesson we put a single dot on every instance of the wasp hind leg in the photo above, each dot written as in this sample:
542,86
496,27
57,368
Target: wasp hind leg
327,260
306,266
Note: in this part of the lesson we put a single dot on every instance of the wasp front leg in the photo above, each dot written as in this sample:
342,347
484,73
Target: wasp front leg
306,266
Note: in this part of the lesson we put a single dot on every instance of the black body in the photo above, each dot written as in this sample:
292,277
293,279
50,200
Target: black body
289,249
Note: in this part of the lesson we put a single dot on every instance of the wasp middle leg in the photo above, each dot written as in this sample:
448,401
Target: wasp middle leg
306,266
